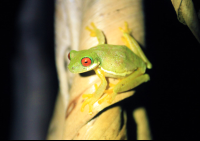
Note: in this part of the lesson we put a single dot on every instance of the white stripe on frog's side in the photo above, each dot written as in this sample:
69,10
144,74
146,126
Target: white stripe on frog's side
115,75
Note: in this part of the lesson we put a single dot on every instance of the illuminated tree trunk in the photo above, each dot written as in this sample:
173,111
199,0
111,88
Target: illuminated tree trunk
71,18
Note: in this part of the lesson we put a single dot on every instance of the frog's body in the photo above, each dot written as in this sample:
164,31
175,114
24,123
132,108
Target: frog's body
128,63
115,61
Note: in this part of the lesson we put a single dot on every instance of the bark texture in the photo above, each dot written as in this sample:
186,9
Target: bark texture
107,121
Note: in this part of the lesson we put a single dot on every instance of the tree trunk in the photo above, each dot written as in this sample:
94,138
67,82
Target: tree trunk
108,121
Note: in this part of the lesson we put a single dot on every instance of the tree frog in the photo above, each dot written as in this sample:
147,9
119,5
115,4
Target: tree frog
127,63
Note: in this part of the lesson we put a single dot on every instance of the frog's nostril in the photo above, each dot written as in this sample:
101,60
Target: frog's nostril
72,67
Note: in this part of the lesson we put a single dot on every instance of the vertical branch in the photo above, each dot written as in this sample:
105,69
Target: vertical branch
107,121
67,24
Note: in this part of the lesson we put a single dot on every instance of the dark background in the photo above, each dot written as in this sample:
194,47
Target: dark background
30,84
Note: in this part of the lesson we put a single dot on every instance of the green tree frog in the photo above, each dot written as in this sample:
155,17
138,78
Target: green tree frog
128,63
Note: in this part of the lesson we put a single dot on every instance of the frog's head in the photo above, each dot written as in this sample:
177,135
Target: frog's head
82,61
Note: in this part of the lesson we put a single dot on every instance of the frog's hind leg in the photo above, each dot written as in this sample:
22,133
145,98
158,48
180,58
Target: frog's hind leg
133,45
130,82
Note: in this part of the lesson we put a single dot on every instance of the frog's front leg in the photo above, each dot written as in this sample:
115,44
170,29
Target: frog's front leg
95,32
93,98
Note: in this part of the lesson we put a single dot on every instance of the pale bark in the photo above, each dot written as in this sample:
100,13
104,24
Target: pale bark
72,16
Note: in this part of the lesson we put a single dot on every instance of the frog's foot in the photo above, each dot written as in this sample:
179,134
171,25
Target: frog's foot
126,29
95,32
92,31
89,101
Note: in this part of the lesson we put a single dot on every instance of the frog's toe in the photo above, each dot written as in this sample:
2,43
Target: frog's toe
92,32
89,101
83,105
126,28
90,108
87,95
93,25
86,102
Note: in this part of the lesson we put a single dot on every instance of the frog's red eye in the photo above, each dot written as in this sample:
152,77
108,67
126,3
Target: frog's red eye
69,56
86,61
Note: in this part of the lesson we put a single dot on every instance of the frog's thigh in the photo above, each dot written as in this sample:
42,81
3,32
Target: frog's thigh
132,81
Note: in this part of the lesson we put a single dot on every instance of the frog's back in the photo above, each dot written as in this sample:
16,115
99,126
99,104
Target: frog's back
116,60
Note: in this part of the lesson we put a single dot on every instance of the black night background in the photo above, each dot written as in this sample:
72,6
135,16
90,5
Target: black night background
171,97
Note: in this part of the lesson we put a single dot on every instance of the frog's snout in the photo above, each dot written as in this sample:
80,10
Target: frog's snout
71,68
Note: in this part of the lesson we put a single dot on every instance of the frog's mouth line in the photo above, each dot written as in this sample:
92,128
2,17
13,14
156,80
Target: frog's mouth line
84,69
